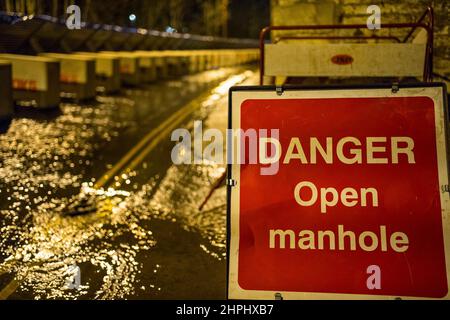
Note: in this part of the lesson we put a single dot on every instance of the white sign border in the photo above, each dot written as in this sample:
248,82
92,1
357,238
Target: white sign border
237,96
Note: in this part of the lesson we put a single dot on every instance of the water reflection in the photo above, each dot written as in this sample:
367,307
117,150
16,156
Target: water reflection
45,163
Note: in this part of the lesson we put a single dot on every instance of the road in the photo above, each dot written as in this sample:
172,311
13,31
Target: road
142,235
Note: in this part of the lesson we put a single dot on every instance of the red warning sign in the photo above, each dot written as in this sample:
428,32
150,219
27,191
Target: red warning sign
347,198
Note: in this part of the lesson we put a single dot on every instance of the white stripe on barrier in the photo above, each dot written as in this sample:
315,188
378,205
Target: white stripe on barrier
363,60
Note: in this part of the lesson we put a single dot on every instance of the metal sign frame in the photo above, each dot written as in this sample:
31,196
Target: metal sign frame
428,27
270,92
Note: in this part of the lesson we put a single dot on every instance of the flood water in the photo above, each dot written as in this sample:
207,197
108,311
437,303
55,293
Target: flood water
142,235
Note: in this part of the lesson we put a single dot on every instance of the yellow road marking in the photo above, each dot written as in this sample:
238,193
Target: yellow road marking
9,289
12,286
154,137
136,154
150,141
119,165
140,157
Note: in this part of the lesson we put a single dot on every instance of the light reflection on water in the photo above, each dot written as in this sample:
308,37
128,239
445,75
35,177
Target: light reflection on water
43,162
41,159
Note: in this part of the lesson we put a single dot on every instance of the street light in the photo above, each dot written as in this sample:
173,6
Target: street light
132,17
170,29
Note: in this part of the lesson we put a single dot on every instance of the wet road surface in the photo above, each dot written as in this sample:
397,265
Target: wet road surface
143,236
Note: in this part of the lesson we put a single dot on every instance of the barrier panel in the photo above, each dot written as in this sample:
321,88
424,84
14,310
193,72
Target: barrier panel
151,55
193,61
129,67
77,75
215,60
147,67
35,80
209,59
6,98
178,62
107,71
228,58
198,60
168,63
158,62
202,60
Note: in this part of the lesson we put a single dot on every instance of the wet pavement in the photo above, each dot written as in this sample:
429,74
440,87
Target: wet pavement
142,235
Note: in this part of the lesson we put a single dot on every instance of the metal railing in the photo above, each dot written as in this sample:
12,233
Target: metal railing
34,34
